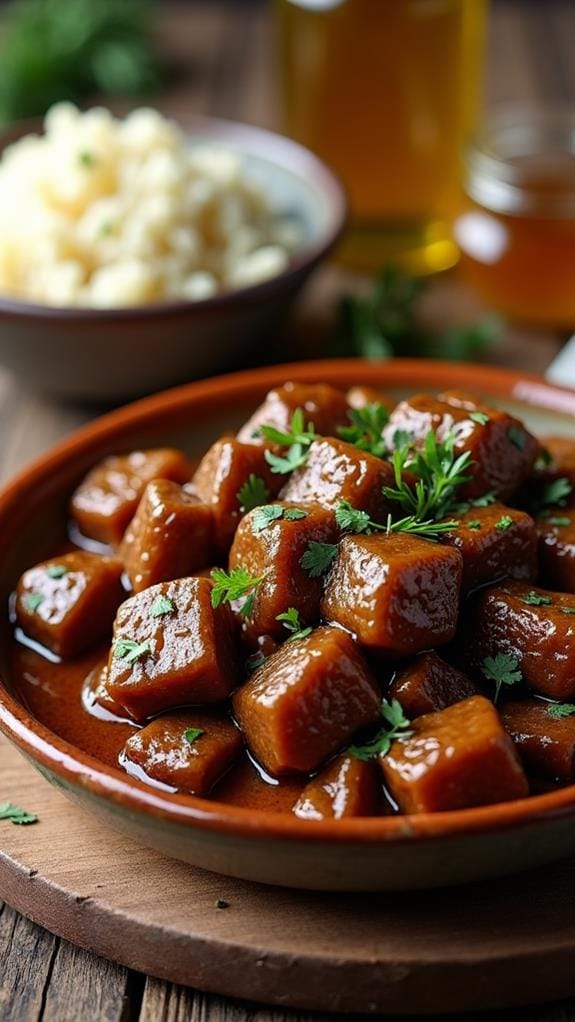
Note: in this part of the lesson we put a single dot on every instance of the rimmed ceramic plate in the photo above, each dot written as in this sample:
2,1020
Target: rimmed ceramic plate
381,853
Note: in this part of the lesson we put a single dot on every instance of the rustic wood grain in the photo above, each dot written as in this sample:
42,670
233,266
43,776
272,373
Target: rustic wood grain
225,67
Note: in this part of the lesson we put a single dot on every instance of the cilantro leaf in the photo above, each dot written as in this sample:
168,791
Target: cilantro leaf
269,513
318,558
555,492
503,669
234,585
191,734
294,514
560,710
32,601
534,599
253,493
504,523
290,620
396,726
21,817
366,428
473,523
57,570
479,417
162,605
130,651
350,519
297,440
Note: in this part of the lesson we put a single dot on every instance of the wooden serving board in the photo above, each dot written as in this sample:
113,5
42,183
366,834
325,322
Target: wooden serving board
482,946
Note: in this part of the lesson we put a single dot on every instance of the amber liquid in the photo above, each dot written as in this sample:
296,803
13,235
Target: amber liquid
524,263
386,91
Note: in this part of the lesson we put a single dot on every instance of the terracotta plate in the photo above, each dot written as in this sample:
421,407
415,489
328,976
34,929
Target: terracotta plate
370,854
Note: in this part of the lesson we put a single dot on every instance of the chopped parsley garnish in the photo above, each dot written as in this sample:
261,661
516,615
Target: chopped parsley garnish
534,599
503,669
290,620
559,521
253,493
479,417
21,817
234,585
555,493
254,661
517,437
474,523
567,610
318,558
130,651
350,519
162,605
366,428
298,441
463,506
397,726
559,710
32,601
57,571
504,523
269,513
193,733
439,473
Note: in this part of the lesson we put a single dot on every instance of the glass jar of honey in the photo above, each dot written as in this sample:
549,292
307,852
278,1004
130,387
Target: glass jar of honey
386,91
517,230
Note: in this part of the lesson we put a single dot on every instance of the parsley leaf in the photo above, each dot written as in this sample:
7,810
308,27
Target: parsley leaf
162,605
366,429
534,599
32,601
555,492
57,571
567,610
503,669
517,437
253,493
425,530
8,811
269,513
396,726
318,558
298,441
254,661
473,523
559,710
479,417
130,651
290,620
193,733
350,519
439,470
234,585
558,521
504,523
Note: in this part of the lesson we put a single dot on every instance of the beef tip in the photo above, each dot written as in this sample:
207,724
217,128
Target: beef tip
322,405
556,532
428,684
347,787
545,743
496,542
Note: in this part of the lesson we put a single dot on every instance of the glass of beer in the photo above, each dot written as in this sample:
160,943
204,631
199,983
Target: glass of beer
387,92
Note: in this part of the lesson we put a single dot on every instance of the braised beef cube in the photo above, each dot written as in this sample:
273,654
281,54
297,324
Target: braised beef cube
397,593
557,549
347,787
535,626
337,471
546,743
429,684
219,479
106,501
322,405
186,751
272,549
170,536
69,602
172,648
359,397
495,542
455,759
503,451
306,701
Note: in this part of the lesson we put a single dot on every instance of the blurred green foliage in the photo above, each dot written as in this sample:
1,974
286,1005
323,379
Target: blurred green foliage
52,50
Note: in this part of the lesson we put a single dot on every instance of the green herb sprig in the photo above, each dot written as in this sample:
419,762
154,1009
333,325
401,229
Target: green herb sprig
297,440
253,493
268,513
533,599
396,726
192,734
130,651
233,585
503,669
439,473
560,710
318,558
162,605
291,620
21,817
365,431
351,519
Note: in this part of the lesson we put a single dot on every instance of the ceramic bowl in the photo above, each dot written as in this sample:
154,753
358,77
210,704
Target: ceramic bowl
115,354
400,852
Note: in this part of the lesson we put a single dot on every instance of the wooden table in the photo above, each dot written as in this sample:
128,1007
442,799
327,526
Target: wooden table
226,60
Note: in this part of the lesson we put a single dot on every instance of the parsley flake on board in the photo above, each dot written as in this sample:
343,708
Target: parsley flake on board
560,710
32,601
298,441
269,513
290,620
8,811
517,437
162,605
503,669
365,431
534,599
396,726
130,651
439,471
234,585
191,734
479,417
253,493
504,523
57,571
318,558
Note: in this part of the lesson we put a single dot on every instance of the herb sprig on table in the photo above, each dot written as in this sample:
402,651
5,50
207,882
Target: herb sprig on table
21,817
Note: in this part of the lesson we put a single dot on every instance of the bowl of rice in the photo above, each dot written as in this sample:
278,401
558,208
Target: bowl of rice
135,254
